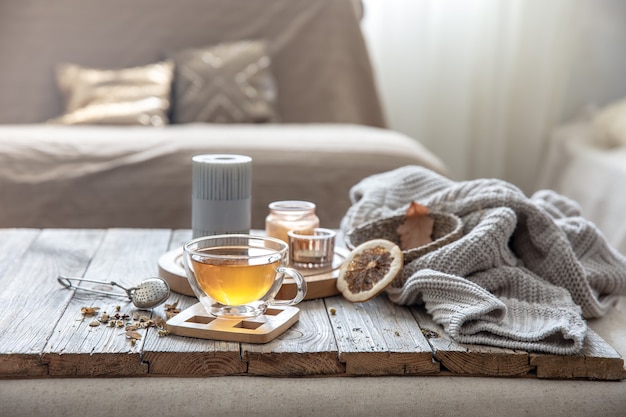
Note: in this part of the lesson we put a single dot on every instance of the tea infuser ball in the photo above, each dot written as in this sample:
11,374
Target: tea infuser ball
149,293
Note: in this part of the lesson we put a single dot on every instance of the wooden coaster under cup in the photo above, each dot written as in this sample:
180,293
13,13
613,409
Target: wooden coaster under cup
320,283
196,322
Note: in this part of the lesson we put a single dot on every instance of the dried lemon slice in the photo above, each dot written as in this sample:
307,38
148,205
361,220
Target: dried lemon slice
369,269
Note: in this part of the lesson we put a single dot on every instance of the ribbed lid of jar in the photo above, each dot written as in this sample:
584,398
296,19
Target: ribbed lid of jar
222,177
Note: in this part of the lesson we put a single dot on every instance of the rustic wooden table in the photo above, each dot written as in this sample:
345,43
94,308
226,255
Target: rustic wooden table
44,334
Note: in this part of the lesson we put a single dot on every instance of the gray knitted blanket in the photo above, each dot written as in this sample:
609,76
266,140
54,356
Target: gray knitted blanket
523,275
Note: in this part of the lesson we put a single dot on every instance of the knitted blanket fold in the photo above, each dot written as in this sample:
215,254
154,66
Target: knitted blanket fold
525,273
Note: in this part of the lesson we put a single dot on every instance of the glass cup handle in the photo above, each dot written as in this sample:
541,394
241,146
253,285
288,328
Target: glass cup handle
300,286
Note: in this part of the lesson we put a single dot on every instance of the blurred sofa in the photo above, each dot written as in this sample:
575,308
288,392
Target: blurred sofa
104,104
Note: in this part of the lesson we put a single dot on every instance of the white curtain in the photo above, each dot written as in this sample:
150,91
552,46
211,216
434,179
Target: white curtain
479,82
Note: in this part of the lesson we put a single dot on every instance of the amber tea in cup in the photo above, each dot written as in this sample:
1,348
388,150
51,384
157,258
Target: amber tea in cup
239,275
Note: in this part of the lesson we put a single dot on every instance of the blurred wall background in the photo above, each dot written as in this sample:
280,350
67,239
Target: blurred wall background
482,83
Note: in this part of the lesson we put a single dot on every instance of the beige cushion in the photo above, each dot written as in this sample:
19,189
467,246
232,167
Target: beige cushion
225,83
129,96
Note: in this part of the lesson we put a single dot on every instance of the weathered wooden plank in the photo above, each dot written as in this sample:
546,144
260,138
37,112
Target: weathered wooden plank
379,338
463,359
332,336
32,301
307,348
186,356
13,244
598,360
126,256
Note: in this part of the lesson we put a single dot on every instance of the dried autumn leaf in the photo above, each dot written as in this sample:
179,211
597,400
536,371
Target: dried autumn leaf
417,228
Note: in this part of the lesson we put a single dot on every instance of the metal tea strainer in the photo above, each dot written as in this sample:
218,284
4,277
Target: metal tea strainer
149,293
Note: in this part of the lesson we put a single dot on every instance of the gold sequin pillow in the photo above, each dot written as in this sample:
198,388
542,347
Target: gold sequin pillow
226,83
129,96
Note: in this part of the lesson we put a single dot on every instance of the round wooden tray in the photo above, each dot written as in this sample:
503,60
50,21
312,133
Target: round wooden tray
320,283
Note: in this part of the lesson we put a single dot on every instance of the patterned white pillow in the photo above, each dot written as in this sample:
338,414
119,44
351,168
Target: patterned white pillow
225,83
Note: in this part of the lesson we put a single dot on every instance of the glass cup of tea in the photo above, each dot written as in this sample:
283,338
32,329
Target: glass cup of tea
239,275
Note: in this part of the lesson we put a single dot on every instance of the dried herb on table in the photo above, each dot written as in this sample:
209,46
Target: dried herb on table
89,311
130,327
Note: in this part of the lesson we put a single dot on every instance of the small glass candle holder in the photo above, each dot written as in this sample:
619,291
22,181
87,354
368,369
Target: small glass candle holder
312,251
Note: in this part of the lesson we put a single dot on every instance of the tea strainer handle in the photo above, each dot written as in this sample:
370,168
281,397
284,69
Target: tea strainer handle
68,282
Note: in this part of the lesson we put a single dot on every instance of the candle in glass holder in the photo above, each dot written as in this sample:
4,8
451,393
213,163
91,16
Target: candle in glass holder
292,215
312,251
